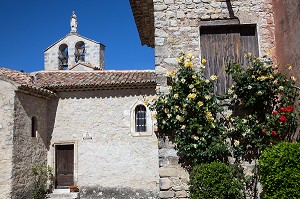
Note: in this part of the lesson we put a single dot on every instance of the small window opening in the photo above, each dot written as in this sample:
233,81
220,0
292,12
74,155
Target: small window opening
80,51
63,57
140,119
33,127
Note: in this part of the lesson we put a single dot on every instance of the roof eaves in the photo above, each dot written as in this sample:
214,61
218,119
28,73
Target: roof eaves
35,91
143,12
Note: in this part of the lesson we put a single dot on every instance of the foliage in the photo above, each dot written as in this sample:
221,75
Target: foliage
262,113
279,170
263,105
214,180
41,174
189,111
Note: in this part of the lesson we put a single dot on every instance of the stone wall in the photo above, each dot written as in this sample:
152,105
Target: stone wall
7,95
94,52
177,25
173,177
109,160
287,28
28,151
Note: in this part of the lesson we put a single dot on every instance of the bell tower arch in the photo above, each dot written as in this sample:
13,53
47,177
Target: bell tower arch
74,52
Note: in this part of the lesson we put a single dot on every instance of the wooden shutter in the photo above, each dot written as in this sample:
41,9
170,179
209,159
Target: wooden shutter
225,44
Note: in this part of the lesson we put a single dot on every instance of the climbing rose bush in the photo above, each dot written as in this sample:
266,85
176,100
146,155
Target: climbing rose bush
263,103
189,112
261,113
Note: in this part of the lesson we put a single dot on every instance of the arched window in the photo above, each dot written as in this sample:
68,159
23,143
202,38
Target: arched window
140,119
33,127
63,57
79,51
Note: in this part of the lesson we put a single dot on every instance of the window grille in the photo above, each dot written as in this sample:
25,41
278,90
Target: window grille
140,119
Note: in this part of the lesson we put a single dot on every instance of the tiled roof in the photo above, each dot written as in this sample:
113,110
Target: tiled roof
143,12
26,83
16,76
56,80
47,82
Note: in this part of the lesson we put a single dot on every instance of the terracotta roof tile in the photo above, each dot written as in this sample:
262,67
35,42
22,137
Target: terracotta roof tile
16,76
26,83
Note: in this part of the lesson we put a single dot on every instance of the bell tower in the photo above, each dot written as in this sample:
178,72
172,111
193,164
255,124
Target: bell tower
74,52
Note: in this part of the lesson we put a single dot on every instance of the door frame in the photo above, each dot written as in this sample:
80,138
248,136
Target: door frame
53,164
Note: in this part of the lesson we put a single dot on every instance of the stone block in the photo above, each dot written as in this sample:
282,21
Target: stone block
180,194
168,161
167,152
166,194
180,14
159,41
177,188
167,172
165,183
169,1
160,7
170,60
160,33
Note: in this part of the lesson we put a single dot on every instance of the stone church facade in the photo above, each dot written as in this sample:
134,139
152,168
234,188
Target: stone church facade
91,125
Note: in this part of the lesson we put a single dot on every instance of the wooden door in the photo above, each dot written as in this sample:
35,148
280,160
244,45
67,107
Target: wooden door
225,44
64,165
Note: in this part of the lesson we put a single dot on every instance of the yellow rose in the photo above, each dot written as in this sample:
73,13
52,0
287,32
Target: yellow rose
203,61
179,118
207,97
195,137
188,64
200,103
230,91
293,78
146,102
213,77
191,95
181,59
189,56
208,115
173,72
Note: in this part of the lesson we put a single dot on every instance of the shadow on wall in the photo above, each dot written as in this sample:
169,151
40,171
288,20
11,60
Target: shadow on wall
120,93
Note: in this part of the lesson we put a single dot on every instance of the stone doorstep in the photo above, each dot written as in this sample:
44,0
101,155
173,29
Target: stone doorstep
61,191
64,194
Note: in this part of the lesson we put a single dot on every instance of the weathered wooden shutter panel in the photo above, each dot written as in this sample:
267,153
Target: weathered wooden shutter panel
223,44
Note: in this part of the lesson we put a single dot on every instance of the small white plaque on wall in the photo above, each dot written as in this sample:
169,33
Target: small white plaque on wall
87,136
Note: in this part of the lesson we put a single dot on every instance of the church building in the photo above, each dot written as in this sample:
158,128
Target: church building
90,125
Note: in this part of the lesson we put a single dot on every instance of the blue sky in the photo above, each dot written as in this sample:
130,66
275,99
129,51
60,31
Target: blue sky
29,27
